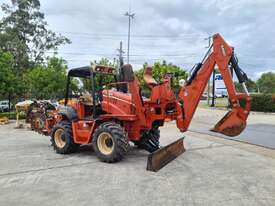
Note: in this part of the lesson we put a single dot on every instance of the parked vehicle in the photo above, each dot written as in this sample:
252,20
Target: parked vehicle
221,94
4,106
204,96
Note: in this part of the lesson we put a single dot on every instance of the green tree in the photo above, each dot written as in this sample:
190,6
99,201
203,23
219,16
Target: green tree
24,33
159,70
48,81
100,79
267,82
106,62
250,84
7,76
11,85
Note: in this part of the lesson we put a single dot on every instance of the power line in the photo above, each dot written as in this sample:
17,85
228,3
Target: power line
137,38
145,59
135,55
145,55
81,53
159,59
99,35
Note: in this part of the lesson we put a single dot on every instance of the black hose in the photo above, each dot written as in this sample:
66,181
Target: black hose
241,75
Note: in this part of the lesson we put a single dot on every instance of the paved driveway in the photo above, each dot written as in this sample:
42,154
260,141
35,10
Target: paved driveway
260,128
212,171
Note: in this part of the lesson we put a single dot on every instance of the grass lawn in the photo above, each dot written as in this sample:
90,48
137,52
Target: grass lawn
219,103
11,115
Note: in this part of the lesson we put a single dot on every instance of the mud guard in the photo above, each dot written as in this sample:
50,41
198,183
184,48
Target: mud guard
164,155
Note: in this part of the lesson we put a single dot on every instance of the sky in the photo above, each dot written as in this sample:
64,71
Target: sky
174,31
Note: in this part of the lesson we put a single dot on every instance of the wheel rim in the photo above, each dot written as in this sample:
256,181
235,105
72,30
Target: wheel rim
39,124
59,138
105,143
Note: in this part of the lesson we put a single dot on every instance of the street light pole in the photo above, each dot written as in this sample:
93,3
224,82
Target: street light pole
213,89
130,16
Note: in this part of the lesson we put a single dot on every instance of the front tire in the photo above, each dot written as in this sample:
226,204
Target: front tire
62,138
110,142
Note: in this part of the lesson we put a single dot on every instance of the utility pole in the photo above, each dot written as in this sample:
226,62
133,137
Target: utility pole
130,16
120,76
120,54
120,57
208,85
232,76
208,93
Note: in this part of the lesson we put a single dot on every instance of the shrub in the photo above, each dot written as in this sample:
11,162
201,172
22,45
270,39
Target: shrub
263,103
11,115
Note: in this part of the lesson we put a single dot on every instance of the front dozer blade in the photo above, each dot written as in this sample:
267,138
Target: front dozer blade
232,124
164,155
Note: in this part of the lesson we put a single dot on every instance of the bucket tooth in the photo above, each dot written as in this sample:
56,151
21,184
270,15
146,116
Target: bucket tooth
164,155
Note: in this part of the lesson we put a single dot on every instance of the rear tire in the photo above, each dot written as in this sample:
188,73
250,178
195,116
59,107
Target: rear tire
38,121
62,138
110,142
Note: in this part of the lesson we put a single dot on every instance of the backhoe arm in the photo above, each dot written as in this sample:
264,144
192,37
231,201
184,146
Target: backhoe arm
222,55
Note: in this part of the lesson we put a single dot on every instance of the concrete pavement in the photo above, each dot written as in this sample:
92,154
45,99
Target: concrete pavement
260,128
213,171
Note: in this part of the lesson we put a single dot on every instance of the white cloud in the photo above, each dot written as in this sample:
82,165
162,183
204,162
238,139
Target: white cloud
246,25
259,74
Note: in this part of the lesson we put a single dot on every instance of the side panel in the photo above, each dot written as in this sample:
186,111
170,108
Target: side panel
120,106
82,131
116,104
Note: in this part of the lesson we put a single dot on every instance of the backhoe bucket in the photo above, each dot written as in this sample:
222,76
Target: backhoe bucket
164,155
232,124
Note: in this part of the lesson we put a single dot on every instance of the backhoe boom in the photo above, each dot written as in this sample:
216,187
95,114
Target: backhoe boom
222,55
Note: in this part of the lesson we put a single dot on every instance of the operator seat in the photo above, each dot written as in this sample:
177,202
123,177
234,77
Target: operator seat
148,77
87,102
86,99
127,75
